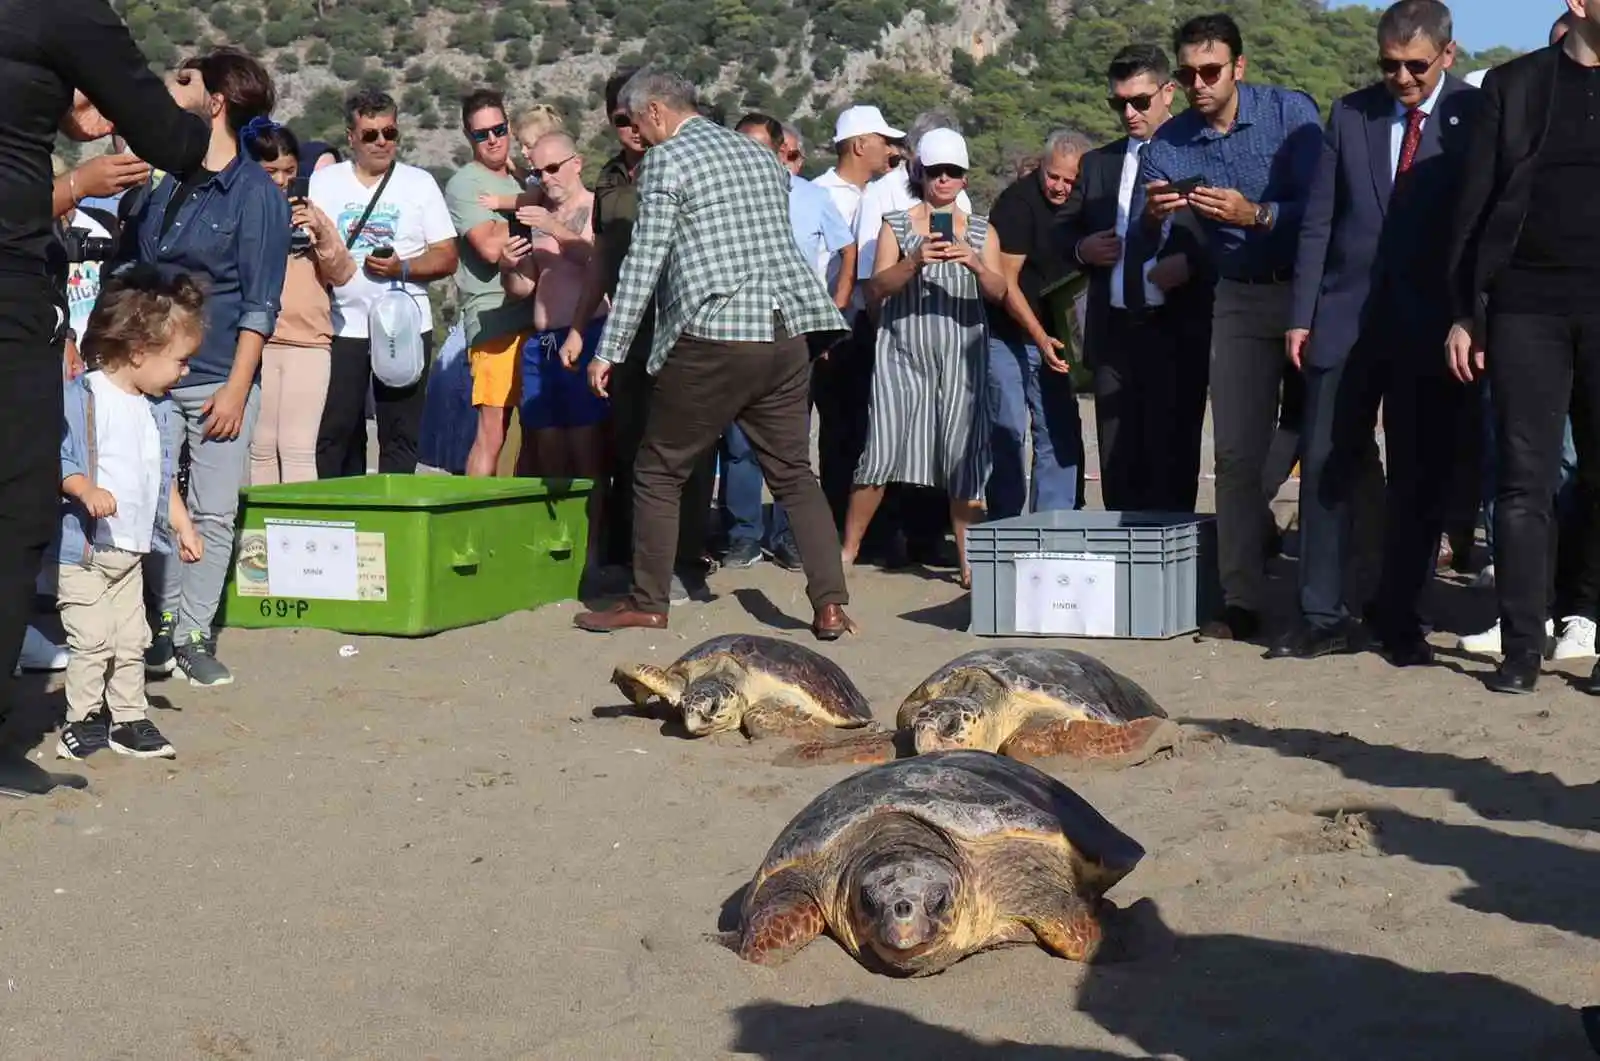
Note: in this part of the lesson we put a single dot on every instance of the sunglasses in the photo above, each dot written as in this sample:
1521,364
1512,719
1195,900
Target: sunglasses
621,120
1415,67
388,132
1140,103
934,173
498,131
1210,73
554,167
792,156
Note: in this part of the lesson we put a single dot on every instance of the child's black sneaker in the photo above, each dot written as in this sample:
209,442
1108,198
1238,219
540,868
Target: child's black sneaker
141,739
79,740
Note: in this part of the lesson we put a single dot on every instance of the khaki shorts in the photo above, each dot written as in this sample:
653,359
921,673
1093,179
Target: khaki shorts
496,366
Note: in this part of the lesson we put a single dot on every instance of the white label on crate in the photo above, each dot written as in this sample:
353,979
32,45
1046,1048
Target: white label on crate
1066,593
312,560
372,566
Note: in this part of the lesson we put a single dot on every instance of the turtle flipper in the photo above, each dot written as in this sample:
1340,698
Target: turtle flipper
861,747
780,919
1073,932
777,717
641,683
1112,744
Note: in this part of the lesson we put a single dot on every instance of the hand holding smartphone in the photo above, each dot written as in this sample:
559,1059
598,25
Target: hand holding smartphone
300,189
1187,186
943,226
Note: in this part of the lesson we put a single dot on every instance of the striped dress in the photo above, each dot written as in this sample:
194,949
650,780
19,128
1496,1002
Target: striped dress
928,422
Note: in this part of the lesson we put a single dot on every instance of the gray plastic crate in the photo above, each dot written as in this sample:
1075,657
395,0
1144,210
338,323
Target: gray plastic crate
1166,567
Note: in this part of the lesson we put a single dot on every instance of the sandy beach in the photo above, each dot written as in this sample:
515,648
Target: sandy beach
454,848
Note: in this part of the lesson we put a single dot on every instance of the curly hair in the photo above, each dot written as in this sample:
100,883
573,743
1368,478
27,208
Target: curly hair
141,310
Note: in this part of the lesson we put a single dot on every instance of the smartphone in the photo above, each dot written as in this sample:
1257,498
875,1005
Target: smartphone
520,230
300,188
943,226
382,252
1188,185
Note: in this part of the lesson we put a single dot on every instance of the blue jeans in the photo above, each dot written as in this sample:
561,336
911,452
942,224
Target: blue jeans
1569,470
741,494
1022,393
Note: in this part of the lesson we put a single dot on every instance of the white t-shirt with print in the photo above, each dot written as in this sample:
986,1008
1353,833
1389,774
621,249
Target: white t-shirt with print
127,449
411,215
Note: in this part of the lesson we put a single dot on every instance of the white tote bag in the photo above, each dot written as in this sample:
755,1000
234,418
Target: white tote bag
394,327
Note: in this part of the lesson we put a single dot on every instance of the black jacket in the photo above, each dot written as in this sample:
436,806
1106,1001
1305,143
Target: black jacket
1518,98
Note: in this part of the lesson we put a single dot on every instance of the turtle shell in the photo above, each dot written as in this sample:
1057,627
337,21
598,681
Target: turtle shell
1058,673
787,662
970,796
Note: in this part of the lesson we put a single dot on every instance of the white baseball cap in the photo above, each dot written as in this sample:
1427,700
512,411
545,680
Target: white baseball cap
942,147
860,120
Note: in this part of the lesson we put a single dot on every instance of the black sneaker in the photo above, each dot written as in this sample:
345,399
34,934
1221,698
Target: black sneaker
79,740
742,554
785,553
159,658
197,661
140,739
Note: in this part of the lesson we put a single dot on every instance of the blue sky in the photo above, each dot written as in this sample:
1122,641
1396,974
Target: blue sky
1483,24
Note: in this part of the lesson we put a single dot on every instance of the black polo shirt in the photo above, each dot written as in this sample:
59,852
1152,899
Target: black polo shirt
1025,222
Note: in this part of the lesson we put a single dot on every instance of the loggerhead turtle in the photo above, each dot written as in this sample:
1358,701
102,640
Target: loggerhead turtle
763,685
1026,703
915,864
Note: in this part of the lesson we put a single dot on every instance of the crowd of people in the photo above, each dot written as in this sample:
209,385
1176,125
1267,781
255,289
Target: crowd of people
691,309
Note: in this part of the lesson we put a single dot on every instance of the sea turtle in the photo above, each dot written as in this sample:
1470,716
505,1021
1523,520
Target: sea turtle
915,864
763,685
1026,703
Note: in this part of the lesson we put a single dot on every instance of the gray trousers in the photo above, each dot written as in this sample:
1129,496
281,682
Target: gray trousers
1247,367
217,469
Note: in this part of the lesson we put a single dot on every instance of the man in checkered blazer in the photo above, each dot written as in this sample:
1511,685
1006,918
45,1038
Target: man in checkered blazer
735,304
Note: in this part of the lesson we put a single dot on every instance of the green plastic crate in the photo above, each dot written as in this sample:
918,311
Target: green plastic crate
404,555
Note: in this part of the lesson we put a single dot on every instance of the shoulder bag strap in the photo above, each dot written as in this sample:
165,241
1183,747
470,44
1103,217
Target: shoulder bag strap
355,230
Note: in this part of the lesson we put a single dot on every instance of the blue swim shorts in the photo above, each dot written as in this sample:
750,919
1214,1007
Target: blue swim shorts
552,396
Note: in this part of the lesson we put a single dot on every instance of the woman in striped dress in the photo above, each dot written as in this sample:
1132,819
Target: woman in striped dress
928,421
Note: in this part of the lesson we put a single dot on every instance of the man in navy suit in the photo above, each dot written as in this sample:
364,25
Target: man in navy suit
1371,309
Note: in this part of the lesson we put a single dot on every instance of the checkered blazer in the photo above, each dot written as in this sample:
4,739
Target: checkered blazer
713,244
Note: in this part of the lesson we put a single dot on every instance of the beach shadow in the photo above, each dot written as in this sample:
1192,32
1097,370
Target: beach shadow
21,776
1225,997
954,615
1488,788
759,607
1528,879
37,710
856,1031
671,720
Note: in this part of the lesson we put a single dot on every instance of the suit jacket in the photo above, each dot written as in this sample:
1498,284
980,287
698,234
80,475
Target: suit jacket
713,244
1373,259
1517,100
1091,208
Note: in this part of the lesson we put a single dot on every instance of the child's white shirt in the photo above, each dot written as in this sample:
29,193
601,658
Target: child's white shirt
127,456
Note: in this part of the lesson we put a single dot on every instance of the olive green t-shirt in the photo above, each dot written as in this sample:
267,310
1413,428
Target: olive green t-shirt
486,311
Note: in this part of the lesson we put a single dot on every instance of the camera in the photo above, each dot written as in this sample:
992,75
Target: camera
81,246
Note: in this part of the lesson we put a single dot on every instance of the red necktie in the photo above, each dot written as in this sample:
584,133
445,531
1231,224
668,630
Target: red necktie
1413,140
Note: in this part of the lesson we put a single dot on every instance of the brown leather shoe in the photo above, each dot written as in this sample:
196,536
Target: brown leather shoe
831,623
620,616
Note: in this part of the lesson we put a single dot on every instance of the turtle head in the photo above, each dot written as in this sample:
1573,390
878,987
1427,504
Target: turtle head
904,902
712,704
946,722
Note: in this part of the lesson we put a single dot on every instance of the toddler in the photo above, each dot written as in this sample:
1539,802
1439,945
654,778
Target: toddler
120,500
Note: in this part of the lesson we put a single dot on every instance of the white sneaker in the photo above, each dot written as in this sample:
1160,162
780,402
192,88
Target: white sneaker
39,653
1577,638
1487,643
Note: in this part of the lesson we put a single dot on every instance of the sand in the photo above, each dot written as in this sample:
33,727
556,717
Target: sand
450,848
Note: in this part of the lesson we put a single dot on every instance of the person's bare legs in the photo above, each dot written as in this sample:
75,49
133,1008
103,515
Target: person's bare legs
864,502
964,514
484,457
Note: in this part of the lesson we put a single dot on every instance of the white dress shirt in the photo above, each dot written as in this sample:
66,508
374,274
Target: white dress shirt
1397,129
1130,176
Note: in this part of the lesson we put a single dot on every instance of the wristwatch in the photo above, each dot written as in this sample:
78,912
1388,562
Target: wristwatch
1264,215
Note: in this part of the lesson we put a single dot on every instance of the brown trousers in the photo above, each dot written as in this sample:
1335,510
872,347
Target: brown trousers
704,386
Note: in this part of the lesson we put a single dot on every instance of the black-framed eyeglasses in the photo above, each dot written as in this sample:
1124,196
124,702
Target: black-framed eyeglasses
1140,103
498,131
1210,73
388,132
934,173
554,167
621,120
1417,68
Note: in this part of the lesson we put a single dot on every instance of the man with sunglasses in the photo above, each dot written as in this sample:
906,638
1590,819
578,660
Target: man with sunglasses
397,224
1524,269
1371,307
496,324
1241,159
1147,324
